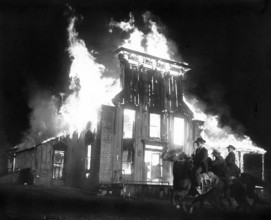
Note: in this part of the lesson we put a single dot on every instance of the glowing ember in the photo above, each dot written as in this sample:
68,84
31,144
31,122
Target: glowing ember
155,43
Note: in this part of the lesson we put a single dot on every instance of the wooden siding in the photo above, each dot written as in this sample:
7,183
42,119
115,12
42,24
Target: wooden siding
150,88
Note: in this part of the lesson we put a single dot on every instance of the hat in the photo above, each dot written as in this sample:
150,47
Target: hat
215,152
199,140
232,147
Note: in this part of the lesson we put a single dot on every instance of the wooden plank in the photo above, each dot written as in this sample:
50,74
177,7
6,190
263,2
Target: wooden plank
179,91
139,154
176,93
118,133
161,92
134,86
127,83
141,87
166,92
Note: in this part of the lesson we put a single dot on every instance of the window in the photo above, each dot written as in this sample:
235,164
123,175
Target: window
88,160
58,163
128,123
178,138
12,163
155,125
128,156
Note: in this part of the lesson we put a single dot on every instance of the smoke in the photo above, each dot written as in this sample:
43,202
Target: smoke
214,108
45,120
217,134
54,115
125,26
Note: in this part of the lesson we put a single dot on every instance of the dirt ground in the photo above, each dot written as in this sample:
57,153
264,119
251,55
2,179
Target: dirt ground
55,203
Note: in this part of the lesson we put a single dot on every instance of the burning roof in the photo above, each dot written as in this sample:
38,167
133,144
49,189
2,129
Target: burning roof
163,65
218,137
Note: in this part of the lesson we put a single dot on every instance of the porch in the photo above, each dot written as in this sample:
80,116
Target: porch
137,190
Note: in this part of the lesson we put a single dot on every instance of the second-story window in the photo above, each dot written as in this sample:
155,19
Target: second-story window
128,123
155,126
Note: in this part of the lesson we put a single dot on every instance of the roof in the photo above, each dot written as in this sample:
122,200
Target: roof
153,62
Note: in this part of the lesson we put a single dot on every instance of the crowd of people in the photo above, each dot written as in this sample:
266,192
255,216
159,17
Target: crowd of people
225,168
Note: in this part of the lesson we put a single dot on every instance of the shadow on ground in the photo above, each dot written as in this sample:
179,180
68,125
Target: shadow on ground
53,203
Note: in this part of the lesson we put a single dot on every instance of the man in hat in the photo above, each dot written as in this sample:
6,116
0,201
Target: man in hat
230,162
200,161
218,164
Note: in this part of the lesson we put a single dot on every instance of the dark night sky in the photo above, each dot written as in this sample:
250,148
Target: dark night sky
227,45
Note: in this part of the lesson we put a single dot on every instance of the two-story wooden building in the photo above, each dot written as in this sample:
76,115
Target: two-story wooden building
147,118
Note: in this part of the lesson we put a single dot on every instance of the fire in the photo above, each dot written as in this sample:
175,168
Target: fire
153,43
90,90
197,113
220,137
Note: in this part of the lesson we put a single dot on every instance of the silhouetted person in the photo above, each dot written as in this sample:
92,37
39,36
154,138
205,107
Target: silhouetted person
233,169
200,161
218,164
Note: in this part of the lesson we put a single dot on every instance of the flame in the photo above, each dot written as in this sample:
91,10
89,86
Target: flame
217,137
197,112
153,43
90,90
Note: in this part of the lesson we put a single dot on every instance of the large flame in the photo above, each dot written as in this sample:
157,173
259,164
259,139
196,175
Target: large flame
154,43
218,137
89,90
85,74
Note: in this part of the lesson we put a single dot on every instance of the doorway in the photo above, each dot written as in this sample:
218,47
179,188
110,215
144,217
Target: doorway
153,164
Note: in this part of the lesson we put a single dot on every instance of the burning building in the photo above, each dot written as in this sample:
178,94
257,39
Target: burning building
151,117
148,117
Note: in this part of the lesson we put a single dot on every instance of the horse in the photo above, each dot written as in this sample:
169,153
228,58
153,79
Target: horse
182,167
218,187
243,188
182,180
